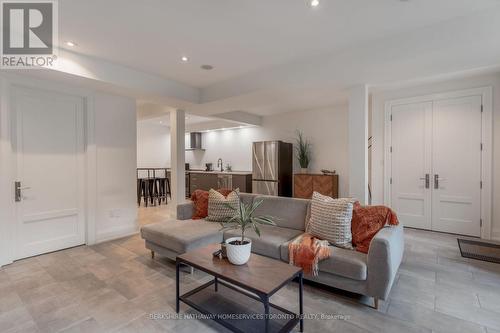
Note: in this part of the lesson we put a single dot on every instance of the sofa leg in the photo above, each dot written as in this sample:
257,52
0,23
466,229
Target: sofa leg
152,254
375,303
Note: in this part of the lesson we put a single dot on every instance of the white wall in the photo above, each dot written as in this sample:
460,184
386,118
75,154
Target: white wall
380,97
115,137
358,143
111,162
153,145
326,129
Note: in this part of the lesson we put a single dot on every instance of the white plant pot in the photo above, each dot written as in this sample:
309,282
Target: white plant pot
238,254
303,170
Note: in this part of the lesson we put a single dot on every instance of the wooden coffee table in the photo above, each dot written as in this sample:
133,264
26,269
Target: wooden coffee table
258,279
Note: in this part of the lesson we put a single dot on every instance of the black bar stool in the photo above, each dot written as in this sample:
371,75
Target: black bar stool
153,187
167,188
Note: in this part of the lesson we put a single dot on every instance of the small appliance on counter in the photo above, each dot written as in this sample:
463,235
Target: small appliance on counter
209,167
272,165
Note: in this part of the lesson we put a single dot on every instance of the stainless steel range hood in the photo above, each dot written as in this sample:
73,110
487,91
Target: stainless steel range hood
195,141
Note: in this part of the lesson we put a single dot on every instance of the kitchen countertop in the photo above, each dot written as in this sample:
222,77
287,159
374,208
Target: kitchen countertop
216,172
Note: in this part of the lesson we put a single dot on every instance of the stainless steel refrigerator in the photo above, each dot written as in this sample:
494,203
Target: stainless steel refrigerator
272,167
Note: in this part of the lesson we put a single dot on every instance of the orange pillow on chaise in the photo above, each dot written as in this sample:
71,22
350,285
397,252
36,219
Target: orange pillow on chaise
367,221
200,201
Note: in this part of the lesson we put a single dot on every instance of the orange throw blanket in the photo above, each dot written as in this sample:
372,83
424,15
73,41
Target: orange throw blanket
306,251
367,221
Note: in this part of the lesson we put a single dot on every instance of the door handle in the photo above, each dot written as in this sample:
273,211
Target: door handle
427,180
436,181
18,190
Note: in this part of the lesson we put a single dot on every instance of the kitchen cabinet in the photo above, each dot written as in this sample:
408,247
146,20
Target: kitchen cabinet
188,188
207,180
203,181
305,184
243,182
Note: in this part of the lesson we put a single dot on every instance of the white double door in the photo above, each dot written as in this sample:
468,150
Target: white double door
436,165
49,144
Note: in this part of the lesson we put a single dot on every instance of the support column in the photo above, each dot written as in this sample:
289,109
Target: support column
358,143
177,156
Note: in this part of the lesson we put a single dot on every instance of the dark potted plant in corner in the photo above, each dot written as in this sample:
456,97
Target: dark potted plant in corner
238,249
303,151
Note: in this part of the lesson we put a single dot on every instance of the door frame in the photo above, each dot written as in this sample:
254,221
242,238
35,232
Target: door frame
486,94
8,209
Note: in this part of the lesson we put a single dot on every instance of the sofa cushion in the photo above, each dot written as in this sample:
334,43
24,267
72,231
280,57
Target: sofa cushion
331,219
346,263
289,212
247,198
200,202
270,240
182,236
221,208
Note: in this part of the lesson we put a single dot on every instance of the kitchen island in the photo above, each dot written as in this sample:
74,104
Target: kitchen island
205,180
197,179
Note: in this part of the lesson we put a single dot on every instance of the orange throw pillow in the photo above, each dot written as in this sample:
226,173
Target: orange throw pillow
200,201
367,221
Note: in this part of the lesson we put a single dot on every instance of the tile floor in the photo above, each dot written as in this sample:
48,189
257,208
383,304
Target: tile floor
115,287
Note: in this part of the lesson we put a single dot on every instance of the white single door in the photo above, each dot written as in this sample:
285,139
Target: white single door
49,143
456,159
411,164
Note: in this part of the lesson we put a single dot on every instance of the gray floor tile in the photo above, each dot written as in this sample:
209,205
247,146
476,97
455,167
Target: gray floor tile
16,320
88,325
435,321
116,287
489,301
473,314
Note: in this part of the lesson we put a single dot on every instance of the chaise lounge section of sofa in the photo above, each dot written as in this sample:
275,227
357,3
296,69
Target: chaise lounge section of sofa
369,274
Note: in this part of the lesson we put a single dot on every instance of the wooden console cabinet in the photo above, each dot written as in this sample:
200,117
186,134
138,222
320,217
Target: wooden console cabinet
305,184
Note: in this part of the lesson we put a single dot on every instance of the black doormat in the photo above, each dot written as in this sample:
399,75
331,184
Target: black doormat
480,250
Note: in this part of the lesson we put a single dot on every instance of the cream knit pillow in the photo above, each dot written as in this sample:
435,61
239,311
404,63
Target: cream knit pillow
217,208
331,219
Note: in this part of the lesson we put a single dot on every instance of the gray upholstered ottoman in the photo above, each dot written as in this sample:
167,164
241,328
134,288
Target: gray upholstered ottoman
171,238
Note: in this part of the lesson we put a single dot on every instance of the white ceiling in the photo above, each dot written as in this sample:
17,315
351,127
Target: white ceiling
238,37
156,114
270,56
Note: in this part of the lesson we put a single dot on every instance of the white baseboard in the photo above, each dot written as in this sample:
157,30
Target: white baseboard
117,232
5,262
495,235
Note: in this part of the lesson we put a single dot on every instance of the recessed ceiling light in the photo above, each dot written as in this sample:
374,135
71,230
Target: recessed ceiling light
207,67
70,43
185,59
314,3
161,122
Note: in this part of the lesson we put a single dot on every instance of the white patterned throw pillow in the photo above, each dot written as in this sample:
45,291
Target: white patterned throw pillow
331,219
218,211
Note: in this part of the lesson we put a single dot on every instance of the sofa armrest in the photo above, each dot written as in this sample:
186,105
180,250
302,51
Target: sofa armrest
185,210
384,257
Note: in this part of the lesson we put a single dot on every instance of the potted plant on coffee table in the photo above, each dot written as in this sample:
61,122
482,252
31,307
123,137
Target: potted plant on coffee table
238,249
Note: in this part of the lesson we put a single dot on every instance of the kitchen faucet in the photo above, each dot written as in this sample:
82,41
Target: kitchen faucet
219,162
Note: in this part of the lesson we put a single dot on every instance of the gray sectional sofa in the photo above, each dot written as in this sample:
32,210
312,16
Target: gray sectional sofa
369,274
